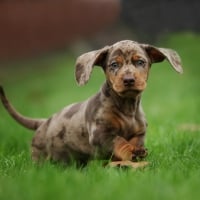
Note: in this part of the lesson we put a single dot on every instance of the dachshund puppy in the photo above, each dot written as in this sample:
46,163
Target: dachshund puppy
109,125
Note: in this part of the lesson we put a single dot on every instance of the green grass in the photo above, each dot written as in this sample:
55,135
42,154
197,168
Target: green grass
171,103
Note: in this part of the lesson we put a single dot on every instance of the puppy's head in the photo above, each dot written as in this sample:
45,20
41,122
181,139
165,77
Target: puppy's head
126,65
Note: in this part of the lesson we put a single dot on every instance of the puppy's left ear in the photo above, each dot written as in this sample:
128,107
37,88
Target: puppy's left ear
159,54
86,62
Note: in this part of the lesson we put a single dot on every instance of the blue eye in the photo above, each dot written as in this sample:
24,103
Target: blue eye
114,64
140,63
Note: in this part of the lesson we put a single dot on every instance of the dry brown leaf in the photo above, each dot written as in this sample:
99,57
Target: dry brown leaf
134,165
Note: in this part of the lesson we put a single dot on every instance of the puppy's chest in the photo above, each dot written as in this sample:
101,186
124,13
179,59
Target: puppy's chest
126,126
131,126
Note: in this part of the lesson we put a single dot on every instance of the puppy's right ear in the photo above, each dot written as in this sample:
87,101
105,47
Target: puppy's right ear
86,62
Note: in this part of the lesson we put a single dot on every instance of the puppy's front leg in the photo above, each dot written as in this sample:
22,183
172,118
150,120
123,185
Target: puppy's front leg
122,149
109,144
137,143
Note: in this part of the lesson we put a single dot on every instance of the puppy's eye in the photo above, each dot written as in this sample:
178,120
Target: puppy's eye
114,64
140,63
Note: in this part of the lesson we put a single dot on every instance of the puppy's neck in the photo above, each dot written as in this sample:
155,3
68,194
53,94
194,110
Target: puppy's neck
126,105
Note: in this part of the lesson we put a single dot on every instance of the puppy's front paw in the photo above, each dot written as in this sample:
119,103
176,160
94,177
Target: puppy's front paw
140,152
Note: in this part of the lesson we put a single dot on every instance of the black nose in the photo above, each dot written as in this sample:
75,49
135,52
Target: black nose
129,81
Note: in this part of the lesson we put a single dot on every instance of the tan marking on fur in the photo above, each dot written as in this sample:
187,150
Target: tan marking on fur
122,149
120,59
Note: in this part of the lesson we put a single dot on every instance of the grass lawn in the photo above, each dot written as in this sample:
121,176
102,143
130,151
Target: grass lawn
171,103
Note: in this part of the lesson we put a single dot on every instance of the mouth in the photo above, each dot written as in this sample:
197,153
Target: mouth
130,92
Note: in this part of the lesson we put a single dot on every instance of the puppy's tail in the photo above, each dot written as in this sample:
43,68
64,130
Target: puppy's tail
25,121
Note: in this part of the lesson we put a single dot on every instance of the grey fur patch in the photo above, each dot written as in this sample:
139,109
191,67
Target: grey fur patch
62,133
74,109
49,121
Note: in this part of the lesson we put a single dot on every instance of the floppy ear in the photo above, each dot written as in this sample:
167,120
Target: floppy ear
159,54
86,62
